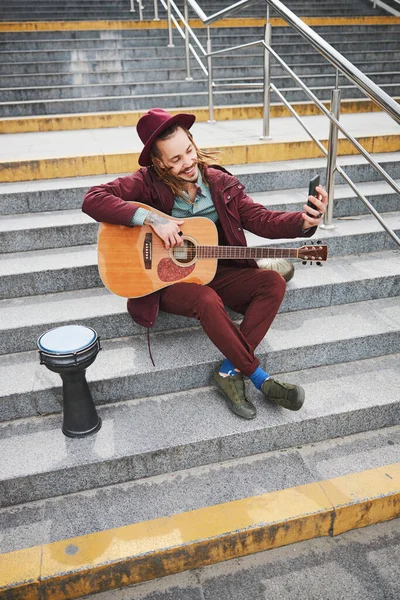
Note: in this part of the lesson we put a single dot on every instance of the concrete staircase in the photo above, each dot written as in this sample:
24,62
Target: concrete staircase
95,10
337,334
111,68
170,462
49,73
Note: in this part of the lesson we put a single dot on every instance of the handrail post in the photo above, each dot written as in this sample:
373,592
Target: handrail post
332,154
187,49
140,10
210,79
267,83
156,17
132,6
170,38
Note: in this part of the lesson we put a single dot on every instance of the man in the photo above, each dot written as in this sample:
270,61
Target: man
178,180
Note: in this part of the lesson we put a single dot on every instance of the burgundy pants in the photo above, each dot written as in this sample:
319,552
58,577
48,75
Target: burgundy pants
254,293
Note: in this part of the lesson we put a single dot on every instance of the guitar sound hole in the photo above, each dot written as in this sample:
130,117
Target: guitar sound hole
186,253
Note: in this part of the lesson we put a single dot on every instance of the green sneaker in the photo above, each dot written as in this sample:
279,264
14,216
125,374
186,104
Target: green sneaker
232,388
284,394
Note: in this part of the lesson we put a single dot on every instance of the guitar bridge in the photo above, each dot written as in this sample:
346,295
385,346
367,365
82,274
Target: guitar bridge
148,250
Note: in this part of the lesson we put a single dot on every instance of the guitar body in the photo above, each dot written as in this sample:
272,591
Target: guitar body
133,261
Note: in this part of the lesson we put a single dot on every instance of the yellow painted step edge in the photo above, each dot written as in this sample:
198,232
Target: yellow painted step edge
8,26
132,554
130,118
234,154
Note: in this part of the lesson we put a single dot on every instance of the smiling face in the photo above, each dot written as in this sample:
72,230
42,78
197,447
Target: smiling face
178,155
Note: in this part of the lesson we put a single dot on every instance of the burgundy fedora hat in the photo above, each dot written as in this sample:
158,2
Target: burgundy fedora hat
152,124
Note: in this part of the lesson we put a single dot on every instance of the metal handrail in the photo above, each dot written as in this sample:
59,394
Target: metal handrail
186,24
350,71
386,7
320,105
373,91
183,35
336,123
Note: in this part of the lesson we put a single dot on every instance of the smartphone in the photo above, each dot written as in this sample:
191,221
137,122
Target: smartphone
311,192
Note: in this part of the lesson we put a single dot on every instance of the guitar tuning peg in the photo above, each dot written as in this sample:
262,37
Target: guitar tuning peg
319,242
319,264
304,262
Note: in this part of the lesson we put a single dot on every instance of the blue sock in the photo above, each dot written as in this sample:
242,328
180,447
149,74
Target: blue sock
227,368
258,377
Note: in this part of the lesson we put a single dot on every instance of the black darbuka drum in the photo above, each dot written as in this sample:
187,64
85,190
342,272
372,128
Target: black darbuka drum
69,351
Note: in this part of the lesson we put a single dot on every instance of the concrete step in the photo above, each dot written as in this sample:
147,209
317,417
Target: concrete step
122,369
346,203
253,55
48,155
57,228
386,63
77,514
343,280
360,560
220,37
71,268
22,94
329,32
139,438
78,14
42,93
43,74
92,12
169,100
67,194
291,174
122,4
115,51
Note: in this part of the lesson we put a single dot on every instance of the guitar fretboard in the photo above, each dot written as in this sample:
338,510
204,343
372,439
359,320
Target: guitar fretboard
237,252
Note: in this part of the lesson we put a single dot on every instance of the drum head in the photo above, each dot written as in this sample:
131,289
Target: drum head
67,339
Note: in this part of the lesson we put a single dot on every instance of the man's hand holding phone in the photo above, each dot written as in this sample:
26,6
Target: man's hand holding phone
315,208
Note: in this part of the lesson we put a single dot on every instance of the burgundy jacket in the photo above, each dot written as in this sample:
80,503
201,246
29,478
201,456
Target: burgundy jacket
236,212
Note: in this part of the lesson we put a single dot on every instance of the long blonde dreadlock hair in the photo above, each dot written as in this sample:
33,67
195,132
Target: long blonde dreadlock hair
204,158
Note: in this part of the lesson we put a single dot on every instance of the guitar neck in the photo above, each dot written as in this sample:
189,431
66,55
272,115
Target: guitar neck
244,252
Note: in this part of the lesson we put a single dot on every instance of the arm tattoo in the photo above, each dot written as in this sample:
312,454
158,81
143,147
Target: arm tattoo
154,219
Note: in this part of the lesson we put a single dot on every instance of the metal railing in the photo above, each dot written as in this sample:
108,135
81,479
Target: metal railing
387,7
341,64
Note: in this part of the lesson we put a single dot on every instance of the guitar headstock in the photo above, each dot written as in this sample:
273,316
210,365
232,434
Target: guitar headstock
315,252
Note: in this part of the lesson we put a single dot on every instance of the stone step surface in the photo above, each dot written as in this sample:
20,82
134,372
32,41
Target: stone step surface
166,433
169,100
81,513
297,340
96,71
343,280
117,57
82,59
281,34
41,13
114,90
71,268
363,561
111,51
259,178
124,451
65,228
88,40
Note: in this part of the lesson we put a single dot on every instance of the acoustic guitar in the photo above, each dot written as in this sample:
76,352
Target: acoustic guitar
133,261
